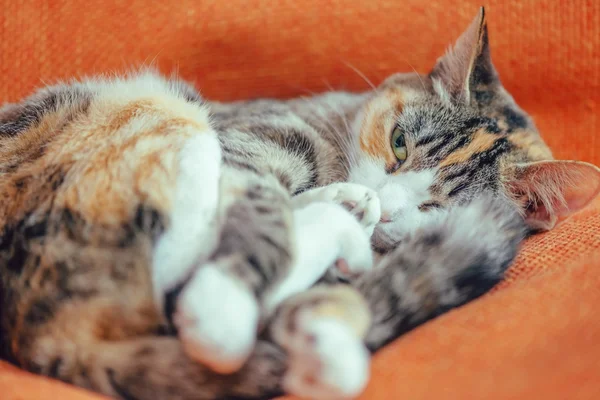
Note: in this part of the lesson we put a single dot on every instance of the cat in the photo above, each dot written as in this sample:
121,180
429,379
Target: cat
158,245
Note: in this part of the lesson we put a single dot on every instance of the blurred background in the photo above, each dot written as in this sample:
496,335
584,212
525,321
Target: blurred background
546,51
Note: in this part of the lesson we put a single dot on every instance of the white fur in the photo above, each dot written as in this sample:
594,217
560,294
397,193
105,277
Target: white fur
323,232
400,196
369,172
334,364
192,233
217,319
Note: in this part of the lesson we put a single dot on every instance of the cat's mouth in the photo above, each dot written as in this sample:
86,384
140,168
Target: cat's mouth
377,249
382,242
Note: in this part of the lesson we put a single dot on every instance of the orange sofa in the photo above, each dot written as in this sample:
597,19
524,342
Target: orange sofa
535,336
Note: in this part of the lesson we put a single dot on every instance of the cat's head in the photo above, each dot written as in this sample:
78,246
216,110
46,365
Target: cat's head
427,142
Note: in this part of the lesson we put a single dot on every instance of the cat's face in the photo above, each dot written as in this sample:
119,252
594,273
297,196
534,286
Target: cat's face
427,142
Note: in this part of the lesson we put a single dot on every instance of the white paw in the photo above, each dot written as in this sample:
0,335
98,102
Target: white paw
217,319
327,361
324,233
361,201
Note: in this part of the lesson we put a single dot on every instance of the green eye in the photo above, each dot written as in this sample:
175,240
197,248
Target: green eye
399,145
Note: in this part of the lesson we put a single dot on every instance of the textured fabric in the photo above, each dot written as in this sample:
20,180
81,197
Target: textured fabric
537,335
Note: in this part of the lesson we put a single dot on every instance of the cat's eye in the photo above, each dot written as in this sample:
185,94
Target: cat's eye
399,145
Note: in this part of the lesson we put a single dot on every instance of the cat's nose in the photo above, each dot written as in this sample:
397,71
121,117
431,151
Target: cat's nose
385,217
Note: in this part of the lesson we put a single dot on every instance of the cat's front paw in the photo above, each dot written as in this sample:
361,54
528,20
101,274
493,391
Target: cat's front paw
327,361
217,320
362,202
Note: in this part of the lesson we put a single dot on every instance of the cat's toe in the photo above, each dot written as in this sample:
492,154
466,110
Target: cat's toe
328,361
368,211
362,202
217,319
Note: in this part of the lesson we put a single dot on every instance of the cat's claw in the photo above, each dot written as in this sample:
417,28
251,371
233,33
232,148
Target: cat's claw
361,201
217,320
327,361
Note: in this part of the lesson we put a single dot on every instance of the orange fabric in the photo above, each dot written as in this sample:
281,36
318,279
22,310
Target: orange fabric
537,335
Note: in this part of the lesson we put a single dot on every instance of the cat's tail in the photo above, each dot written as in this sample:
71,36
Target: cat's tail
441,266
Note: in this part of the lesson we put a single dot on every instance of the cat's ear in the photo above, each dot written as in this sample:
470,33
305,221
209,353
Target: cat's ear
553,190
466,66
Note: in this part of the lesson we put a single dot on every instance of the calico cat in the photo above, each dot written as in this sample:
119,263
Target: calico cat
155,245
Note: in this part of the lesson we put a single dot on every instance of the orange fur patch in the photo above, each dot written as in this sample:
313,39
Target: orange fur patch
482,140
373,141
378,125
532,143
118,170
396,99
125,114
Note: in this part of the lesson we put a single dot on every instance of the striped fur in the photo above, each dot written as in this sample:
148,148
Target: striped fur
157,245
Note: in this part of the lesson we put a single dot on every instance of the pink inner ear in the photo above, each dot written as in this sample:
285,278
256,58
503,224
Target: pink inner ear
582,194
565,186
581,185
538,217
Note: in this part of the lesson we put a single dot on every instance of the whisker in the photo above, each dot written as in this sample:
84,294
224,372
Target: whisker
300,88
348,137
418,75
363,76
329,87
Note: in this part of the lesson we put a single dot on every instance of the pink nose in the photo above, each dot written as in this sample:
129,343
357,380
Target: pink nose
385,218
